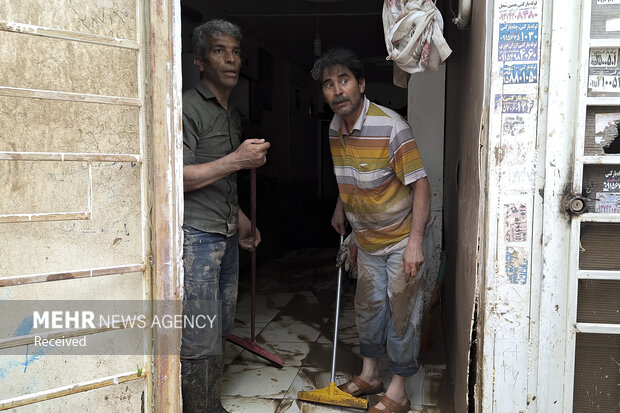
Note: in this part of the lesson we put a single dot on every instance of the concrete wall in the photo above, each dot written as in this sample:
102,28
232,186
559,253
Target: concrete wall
426,107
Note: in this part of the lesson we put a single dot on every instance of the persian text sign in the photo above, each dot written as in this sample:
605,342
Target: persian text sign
612,181
519,11
607,202
603,57
515,103
516,265
518,32
520,73
517,51
604,80
515,222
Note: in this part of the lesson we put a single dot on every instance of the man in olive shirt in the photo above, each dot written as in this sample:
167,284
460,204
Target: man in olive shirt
213,223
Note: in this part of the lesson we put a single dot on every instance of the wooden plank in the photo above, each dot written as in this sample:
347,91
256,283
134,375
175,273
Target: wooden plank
49,216
68,96
69,157
67,35
69,275
71,389
166,137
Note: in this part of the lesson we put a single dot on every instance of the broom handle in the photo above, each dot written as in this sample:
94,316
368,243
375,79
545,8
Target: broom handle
331,380
253,235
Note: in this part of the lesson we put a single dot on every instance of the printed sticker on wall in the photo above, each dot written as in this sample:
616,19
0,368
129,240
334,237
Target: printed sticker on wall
518,11
516,265
515,103
513,125
603,57
518,52
518,42
515,222
604,80
520,73
607,2
607,202
611,183
518,32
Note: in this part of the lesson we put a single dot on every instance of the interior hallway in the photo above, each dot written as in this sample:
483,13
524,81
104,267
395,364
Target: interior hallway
295,305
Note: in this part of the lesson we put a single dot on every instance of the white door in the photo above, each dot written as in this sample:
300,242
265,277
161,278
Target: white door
593,340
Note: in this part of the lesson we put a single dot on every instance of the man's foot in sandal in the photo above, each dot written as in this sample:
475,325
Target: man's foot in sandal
387,405
358,387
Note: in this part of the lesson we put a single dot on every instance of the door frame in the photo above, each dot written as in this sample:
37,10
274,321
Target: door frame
165,120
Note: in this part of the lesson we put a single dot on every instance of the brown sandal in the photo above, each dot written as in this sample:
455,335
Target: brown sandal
363,388
391,406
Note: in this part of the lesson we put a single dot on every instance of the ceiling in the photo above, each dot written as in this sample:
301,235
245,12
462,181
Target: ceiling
289,28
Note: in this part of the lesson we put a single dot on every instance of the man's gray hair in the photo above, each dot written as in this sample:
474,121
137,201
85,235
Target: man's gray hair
215,28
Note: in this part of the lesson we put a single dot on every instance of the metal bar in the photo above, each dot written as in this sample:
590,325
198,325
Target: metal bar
333,373
71,389
68,96
310,14
253,264
599,275
602,101
605,43
70,275
601,160
599,217
597,328
67,35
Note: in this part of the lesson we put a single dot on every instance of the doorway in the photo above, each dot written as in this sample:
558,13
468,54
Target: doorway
296,190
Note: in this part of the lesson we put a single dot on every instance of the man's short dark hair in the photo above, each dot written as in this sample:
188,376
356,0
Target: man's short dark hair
215,28
335,57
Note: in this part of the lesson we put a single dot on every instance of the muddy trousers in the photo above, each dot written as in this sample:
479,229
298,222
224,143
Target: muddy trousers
388,311
211,267
202,384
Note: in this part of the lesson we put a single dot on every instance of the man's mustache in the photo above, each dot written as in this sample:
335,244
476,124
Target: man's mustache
340,99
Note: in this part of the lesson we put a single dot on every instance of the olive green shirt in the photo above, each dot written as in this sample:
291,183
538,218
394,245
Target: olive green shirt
210,132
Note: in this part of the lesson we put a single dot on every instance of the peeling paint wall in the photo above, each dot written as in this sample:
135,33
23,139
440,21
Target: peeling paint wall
510,292
73,192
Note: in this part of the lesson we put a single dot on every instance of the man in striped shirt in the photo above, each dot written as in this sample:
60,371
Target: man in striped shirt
385,197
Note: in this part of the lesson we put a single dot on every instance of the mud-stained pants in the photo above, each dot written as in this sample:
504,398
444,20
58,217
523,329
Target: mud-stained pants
211,267
389,311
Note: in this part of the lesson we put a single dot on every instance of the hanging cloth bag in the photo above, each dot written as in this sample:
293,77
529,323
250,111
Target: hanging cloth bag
413,35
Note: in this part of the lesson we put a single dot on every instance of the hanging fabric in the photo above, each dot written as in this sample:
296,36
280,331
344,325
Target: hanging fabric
414,35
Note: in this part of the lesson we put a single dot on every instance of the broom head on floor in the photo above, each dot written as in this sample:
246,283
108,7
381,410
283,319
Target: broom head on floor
332,395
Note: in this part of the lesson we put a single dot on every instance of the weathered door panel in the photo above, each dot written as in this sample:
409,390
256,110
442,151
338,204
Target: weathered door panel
593,336
74,192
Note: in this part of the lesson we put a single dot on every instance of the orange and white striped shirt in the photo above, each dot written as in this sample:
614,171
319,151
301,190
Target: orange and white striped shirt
374,164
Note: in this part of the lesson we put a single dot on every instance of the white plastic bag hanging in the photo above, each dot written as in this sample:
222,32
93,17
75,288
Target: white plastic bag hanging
413,34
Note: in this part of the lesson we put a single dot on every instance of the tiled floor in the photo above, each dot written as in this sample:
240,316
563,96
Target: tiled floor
294,319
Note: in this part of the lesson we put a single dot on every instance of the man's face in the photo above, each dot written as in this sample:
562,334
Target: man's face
341,90
222,61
